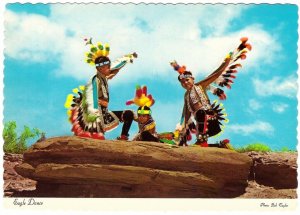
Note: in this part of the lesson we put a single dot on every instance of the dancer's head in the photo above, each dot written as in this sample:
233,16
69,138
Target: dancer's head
144,114
103,65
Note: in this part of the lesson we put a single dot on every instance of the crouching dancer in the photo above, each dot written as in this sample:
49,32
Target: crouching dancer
208,117
89,112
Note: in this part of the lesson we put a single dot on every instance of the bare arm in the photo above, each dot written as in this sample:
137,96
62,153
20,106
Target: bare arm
212,77
113,73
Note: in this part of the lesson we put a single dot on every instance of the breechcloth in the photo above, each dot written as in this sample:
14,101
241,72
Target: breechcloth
147,136
207,124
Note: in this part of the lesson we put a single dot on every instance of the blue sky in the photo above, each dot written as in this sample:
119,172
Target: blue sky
44,61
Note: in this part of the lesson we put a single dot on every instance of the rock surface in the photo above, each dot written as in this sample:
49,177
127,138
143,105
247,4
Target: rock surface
258,191
275,169
82,167
260,183
13,182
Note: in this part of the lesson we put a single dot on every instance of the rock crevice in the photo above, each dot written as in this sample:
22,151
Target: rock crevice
278,170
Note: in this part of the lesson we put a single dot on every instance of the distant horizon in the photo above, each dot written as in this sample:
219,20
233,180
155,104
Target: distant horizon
42,66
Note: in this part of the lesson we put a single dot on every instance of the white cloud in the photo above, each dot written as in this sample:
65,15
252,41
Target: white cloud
228,14
259,127
161,36
32,37
254,104
279,107
280,86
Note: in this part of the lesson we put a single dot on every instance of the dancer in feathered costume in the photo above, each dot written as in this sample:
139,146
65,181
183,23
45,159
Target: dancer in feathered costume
146,124
88,111
208,117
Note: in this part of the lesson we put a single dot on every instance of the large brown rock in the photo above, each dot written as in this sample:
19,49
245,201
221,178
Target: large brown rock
275,169
73,167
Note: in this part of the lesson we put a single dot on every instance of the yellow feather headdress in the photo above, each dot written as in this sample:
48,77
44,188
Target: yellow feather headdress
95,51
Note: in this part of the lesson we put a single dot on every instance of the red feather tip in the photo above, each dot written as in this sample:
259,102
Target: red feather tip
139,92
144,90
243,56
181,69
228,85
248,46
244,39
235,66
129,102
226,141
222,96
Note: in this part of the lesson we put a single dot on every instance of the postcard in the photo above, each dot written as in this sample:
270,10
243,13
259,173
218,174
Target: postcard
146,106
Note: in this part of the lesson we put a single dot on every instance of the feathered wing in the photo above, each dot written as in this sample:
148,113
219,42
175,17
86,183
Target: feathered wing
82,113
223,77
226,79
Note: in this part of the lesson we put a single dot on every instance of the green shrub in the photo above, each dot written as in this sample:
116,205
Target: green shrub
258,147
15,144
286,149
10,137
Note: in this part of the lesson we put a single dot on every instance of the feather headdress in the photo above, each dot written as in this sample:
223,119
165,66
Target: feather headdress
141,97
181,70
95,51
